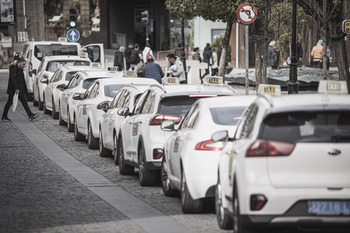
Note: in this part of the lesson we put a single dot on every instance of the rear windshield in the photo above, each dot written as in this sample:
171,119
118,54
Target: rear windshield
41,51
112,90
176,105
330,126
55,65
87,83
226,115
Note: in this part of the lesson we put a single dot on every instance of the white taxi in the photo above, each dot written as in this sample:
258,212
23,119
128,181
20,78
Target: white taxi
56,86
48,66
74,92
111,120
288,164
95,103
141,140
190,157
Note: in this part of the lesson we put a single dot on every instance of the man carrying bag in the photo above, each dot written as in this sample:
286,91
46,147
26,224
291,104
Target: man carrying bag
17,85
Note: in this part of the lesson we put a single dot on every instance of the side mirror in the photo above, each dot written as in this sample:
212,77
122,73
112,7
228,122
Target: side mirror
62,87
123,112
44,80
103,106
33,71
77,96
168,126
220,136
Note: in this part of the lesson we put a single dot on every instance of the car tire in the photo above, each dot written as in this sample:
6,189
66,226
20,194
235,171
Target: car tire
188,205
46,111
165,182
124,169
115,149
54,113
146,177
60,120
224,219
104,152
92,141
70,125
77,136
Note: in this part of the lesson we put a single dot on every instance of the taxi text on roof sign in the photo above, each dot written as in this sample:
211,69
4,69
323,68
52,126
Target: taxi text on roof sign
332,87
269,89
209,80
129,73
112,68
170,80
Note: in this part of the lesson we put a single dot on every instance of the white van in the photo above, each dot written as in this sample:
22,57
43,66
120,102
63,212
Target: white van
35,51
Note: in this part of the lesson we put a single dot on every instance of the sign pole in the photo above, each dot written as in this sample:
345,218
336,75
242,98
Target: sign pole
246,59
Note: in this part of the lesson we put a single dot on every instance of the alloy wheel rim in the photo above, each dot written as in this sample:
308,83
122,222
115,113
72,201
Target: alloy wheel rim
219,202
100,142
165,177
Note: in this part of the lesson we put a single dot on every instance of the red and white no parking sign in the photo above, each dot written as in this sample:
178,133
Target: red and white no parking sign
246,13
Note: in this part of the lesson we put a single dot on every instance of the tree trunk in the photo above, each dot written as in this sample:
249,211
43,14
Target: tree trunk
342,60
225,44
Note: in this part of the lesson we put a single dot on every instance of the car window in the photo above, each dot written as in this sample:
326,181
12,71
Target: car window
94,53
176,105
191,118
323,126
248,122
88,82
117,98
226,115
54,76
72,81
40,68
54,65
69,75
88,94
40,51
112,89
140,102
121,100
127,100
149,103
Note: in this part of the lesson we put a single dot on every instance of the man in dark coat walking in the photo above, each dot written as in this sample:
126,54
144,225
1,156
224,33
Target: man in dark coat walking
206,59
119,58
153,70
17,85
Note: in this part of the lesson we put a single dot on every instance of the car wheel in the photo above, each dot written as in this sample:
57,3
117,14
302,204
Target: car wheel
60,120
115,149
40,103
146,177
124,169
165,182
189,205
101,149
70,125
46,111
54,113
77,136
224,219
92,141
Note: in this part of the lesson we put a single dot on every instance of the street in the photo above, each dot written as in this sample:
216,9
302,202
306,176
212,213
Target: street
51,183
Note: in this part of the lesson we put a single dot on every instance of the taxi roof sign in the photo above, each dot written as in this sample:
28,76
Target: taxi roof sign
83,54
269,89
170,80
332,87
212,80
95,65
129,73
112,68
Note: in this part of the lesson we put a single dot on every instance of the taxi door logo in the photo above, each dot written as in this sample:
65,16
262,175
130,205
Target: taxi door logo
135,128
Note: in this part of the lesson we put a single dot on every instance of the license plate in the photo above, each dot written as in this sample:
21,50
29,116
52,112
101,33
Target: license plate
329,207
214,80
171,80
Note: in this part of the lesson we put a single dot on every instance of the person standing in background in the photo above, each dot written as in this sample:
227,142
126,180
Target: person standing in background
298,51
196,55
153,70
317,54
147,53
219,52
119,58
206,59
127,55
329,57
214,62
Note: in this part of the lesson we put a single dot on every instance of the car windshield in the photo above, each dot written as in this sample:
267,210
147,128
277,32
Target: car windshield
112,90
226,115
323,126
87,83
176,105
41,51
52,66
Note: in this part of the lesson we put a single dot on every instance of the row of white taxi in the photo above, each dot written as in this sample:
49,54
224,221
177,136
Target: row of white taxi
269,161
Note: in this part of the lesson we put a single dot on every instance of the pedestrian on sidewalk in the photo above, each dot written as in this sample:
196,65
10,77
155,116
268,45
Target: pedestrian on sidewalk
196,55
153,70
147,53
317,54
206,59
119,58
135,56
17,85
127,55
214,62
176,68
329,57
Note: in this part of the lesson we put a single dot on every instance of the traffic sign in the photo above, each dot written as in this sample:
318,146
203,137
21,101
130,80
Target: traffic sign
346,26
73,35
246,13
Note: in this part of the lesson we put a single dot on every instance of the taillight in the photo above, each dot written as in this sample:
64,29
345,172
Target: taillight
264,148
157,153
209,145
30,68
257,201
158,119
104,105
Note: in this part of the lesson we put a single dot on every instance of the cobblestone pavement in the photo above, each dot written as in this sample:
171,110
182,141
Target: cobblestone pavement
38,196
